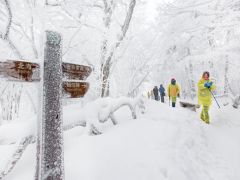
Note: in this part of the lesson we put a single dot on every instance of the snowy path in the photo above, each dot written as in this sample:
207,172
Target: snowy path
163,144
193,156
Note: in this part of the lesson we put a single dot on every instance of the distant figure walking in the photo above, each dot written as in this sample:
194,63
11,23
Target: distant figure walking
149,94
152,95
173,91
162,92
205,86
155,92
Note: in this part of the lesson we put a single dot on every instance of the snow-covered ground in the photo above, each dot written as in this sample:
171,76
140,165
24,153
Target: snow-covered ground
162,144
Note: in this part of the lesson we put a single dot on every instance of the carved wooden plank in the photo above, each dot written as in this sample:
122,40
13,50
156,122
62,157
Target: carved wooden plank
75,89
75,71
20,70
28,71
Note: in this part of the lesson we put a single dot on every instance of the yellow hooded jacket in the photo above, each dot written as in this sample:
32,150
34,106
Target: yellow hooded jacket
204,95
173,90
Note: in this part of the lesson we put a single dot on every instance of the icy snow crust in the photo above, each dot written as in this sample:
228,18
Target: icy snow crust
162,144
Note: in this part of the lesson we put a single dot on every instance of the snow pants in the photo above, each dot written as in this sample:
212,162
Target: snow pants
156,97
162,98
204,114
174,100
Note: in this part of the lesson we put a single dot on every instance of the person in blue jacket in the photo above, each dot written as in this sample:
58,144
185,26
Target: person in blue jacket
162,93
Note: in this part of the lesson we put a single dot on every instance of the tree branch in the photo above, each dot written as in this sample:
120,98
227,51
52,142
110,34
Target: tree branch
5,36
17,155
9,19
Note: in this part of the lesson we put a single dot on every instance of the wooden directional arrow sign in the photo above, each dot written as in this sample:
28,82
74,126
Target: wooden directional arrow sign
75,89
75,71
17,70
20,70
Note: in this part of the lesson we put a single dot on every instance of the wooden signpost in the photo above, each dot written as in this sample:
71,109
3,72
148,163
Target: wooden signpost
20,70
59,80
51,144
24,71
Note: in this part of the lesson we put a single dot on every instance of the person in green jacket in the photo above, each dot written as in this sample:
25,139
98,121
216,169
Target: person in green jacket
205,85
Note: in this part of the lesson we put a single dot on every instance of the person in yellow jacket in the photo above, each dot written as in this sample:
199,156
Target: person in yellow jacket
205,86
173,91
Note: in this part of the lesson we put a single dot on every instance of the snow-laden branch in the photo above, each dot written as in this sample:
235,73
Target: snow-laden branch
124,29
134,89
235,100
101,110
17,155
75,124
104,110
78,21
9,19
5,36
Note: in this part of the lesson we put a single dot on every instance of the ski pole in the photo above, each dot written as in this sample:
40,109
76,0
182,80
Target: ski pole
169,100
214,98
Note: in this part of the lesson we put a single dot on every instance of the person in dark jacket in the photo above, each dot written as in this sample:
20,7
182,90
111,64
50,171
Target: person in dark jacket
162,93
155,92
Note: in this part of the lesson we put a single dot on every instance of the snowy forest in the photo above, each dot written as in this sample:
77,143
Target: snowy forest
116,128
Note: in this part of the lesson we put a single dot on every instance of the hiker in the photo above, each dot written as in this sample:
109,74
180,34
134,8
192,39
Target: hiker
173,91
162,92
149,94
205,86
152,95
155,92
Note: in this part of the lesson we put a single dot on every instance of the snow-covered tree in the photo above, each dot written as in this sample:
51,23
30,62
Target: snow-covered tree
195,33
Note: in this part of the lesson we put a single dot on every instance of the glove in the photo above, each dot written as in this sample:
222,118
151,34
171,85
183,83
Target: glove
178,95
208,84
211,83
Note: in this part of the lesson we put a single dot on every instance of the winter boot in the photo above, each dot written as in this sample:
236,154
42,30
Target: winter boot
202,116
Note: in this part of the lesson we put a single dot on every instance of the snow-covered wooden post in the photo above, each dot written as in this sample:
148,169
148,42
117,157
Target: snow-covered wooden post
60,80
52,164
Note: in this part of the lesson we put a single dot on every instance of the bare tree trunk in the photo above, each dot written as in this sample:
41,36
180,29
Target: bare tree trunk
192,83
189,89
11,100
107,58
226,76
17,155
108,11
105,77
